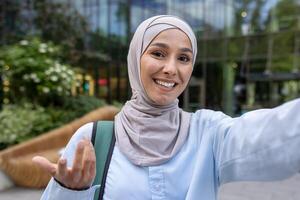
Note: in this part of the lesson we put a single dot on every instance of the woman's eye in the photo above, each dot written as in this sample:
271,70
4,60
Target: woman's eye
184,58
157,54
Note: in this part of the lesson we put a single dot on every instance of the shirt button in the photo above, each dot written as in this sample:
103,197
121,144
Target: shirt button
157,187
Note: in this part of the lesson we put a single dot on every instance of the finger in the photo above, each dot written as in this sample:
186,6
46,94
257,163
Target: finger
89,163
45,164
92,172
92,169
77,164
62,168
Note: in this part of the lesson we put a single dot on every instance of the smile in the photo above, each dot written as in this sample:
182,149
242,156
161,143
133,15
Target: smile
165,84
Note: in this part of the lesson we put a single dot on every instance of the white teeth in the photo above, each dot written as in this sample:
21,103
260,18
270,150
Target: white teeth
166,84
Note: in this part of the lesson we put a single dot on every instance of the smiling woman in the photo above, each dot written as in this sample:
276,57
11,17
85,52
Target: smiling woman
163,152
166,66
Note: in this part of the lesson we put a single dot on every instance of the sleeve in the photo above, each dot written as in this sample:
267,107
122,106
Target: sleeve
54,191
261,145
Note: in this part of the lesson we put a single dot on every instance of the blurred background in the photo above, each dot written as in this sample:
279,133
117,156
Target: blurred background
60,59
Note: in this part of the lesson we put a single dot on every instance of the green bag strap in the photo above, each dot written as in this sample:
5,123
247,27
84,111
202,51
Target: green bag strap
103,139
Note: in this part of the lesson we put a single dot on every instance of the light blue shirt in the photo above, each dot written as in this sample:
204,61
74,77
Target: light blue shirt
261,145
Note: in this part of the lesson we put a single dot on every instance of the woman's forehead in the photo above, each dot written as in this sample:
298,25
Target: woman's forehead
172,37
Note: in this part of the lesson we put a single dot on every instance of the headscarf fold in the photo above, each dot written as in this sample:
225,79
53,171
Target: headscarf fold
146,133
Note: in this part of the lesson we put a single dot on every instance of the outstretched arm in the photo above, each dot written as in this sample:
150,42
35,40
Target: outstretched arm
261,145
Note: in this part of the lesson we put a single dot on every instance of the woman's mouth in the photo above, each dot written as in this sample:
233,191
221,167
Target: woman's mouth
165,83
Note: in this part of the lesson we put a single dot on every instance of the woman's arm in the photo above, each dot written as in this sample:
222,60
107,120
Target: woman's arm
262,145
75,170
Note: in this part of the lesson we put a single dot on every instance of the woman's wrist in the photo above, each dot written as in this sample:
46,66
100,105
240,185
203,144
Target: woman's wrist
63,185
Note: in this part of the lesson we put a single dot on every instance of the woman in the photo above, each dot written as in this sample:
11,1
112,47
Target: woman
163,152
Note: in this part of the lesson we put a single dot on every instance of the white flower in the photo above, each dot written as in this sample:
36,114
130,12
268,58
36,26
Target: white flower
63,67
36,80
69,80
59,89
43,45
12,137
64,76
54,78
57,65
33,76
48,61
6,101
24,42
41,50
48,72
30,60
46,90
50,49
22,88
25,77
70,72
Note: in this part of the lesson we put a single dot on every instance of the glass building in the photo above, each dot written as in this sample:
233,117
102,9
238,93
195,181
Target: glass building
248,50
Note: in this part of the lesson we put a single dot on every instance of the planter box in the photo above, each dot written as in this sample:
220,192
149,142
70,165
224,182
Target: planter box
16,162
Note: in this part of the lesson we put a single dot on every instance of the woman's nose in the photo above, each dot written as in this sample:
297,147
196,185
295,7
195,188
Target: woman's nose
170,67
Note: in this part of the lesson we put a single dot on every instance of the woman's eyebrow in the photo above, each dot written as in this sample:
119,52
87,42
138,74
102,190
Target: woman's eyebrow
165,46
162,45
186,50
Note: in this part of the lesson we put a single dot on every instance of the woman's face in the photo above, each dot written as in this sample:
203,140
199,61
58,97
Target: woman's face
166,66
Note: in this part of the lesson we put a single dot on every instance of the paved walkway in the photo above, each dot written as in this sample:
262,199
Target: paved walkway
20,194
282,190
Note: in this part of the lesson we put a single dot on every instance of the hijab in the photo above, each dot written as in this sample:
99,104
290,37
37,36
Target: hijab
146,133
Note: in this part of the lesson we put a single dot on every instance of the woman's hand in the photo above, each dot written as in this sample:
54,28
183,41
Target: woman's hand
83,171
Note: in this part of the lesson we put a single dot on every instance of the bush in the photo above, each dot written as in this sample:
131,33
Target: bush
18,123
21,122
72,108
35,72
82,104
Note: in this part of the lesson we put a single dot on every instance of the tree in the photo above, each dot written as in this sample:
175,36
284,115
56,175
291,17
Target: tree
64,26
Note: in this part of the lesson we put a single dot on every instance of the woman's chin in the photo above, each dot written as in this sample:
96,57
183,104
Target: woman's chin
161,101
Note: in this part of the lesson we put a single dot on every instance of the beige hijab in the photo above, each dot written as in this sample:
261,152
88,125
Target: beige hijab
146,133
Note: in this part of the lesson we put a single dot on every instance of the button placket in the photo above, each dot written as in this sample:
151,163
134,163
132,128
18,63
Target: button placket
156,182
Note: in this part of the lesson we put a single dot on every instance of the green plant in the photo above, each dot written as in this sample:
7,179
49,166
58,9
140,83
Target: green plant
18,123
82,104
117,104
73,107
35,72
24,121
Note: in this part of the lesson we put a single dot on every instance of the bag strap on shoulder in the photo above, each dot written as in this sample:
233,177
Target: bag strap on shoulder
103,139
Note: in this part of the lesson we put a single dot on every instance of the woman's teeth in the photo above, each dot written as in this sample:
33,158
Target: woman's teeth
166,84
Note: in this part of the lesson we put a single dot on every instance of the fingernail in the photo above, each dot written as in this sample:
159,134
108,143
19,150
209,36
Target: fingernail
80,145
62,161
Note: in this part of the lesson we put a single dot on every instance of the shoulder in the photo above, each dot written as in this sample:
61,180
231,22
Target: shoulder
208,117
84,132
206,123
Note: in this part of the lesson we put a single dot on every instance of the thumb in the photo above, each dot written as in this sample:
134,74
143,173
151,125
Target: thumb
45,164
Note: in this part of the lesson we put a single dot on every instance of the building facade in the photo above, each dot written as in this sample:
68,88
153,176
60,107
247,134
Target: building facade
248,50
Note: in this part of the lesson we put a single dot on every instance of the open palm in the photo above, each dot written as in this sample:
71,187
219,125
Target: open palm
82,172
